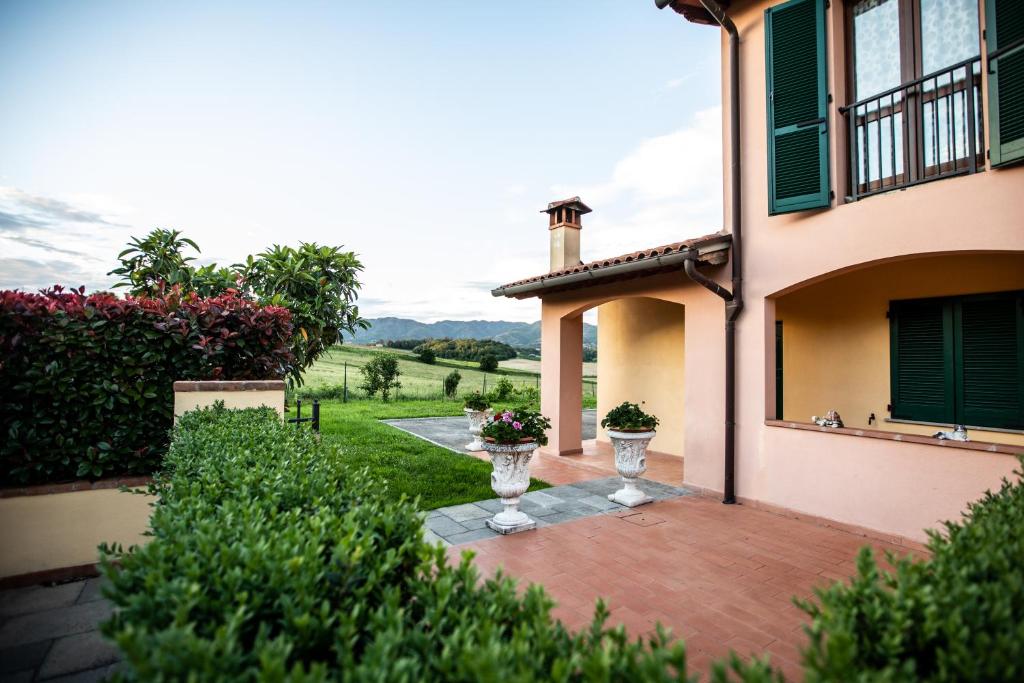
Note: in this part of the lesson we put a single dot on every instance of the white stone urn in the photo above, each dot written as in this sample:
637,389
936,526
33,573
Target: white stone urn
477,420
630,462
510,478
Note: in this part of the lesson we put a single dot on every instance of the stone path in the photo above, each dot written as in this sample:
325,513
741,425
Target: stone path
50,633
467,523
452,432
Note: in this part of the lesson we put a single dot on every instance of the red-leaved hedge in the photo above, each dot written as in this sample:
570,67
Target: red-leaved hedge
87,380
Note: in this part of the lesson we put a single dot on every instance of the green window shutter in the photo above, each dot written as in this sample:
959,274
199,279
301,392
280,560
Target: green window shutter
1004,37
798,152
922,360
990,367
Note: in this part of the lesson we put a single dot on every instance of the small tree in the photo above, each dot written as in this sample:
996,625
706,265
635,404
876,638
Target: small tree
488,363
381,375
451,383
427,355
503,390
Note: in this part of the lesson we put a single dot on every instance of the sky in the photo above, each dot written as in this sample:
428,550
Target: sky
425,137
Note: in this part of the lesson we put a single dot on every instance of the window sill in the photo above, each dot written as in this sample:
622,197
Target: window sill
898,436
946,425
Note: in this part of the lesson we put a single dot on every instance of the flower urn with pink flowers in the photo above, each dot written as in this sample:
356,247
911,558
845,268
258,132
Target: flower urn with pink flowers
511,437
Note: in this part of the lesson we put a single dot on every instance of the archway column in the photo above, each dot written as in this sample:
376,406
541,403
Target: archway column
562,380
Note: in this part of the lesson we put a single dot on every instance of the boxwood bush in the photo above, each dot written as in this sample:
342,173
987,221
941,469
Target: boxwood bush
88,380
270,561
957,616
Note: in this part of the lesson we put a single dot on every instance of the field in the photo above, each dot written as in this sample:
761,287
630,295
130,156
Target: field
419,380
589,369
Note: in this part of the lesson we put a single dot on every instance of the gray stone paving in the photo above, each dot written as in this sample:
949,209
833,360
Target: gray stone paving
466,523
50,633
453,432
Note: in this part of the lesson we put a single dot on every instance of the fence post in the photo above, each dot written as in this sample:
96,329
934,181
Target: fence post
344,395
316,416
298,411
485,384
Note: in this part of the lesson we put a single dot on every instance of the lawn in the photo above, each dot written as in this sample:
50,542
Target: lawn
411,466
419,380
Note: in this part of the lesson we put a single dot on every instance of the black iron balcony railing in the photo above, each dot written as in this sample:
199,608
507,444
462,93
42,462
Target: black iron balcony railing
923,130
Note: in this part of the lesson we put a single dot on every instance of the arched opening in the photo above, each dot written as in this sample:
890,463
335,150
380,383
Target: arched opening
911,346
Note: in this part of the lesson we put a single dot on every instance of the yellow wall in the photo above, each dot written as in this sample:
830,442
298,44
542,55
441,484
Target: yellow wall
185,401
63,529
836,335
640,358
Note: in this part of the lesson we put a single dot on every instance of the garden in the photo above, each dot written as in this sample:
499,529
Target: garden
276,552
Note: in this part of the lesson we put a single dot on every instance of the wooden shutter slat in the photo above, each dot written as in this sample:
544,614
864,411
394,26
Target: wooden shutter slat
1004,27
922,362
989,373
798,146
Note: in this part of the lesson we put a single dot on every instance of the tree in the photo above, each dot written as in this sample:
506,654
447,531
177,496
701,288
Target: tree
318,284
156,262
427,355
381,375
451,383
488,363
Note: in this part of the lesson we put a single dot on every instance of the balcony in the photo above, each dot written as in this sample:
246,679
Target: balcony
922,130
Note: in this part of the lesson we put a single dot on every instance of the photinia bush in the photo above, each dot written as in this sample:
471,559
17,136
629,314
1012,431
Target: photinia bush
88,379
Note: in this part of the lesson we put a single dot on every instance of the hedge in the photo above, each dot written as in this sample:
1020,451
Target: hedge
958,616
271,561
88,380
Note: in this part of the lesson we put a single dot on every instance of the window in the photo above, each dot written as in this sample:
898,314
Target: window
915,71
959,360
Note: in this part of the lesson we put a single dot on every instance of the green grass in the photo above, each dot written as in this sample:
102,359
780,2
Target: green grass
419,380
411,466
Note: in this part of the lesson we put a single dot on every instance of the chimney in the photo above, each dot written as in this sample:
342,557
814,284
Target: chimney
565,224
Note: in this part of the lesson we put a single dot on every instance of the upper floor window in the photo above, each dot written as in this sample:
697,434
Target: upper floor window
915,74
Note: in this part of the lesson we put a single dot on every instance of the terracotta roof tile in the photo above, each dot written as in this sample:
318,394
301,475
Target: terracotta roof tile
650,253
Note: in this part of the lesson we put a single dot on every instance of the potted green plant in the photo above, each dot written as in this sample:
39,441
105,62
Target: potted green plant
510,438
630,430
477,409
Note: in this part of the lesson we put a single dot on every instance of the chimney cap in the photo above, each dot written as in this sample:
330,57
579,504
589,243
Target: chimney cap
572,203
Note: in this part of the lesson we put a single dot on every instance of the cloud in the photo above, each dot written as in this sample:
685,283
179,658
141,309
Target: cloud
37,231
666,189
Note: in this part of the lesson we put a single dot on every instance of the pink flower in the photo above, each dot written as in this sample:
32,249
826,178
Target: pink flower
506,416
517,425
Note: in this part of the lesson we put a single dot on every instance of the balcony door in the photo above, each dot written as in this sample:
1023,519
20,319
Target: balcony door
915,75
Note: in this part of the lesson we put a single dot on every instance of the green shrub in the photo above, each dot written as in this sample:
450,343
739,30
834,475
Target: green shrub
488,362
380,375
477,401
958,616
451,383
87,381
629,417
269,561
427,355
503,390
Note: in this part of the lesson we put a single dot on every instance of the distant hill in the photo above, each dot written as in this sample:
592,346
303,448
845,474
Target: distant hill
514,334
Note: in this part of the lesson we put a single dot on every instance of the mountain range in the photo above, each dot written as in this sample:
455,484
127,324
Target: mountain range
514,334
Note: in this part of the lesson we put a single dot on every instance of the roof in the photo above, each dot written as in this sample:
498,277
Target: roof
647,262
693,11
571,202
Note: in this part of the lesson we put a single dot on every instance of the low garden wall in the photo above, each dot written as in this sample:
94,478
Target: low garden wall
52,532
240,394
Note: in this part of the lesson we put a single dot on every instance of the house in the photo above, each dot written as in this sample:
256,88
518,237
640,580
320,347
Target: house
872,262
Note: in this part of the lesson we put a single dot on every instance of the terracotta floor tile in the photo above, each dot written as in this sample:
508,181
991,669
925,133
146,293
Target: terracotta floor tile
721,577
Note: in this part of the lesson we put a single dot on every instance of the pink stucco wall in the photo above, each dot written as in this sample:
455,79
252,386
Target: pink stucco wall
897,488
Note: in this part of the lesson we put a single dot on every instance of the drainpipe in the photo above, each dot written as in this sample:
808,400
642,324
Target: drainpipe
733,300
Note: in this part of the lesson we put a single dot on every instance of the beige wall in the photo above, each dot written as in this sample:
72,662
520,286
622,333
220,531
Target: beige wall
185,401
641,359
39,533
836,335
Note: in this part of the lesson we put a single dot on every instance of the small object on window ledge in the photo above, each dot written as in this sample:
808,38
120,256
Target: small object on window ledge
959,433
831,419
871,418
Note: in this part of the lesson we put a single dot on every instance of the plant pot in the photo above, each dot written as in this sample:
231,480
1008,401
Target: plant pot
510,477
630,463
477,420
